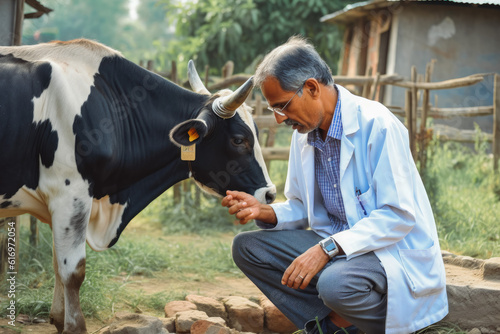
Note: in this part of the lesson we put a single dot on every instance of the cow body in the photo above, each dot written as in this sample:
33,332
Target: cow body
89,139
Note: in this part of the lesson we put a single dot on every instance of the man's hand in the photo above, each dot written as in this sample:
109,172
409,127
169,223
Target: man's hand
245,207
305,267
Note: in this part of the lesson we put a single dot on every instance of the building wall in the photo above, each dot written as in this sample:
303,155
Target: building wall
463,39
7,17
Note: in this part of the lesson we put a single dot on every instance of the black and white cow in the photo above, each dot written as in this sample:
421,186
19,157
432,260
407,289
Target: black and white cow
88,139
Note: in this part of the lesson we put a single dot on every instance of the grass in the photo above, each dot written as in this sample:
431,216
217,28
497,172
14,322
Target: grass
464,194
108,273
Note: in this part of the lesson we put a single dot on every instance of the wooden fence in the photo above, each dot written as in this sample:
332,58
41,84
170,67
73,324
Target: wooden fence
415,116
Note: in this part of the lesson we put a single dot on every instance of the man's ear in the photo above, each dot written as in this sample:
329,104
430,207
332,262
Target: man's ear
193,130
312,87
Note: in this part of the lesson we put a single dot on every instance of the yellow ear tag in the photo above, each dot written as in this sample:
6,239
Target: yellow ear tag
188,153
193,135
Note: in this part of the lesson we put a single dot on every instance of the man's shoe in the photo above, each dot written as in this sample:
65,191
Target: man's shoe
328,327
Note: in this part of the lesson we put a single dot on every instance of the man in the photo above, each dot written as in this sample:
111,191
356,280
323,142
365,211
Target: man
357,229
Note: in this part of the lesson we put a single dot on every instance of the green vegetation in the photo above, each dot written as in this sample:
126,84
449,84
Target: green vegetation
244,30
109,273
211,32
464,194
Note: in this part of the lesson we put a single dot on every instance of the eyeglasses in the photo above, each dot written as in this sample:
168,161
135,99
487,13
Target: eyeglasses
279,110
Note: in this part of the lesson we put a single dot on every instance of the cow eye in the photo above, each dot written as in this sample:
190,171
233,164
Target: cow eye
237,141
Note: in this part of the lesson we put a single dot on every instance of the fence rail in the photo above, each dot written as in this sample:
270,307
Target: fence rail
415,116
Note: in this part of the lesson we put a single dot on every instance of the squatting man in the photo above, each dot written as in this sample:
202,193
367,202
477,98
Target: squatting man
355,242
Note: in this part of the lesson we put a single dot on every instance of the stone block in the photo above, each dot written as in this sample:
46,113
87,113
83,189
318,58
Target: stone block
184,320
209,327
212,307
491,269
169,324
274,319
244,315
172,308
131,323
473,307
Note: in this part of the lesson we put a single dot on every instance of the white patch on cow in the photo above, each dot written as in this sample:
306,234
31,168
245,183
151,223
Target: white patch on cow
26,201
79,54
207,189
260,194
104,222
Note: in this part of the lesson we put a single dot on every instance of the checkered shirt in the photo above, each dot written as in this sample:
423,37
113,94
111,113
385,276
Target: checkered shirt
326,169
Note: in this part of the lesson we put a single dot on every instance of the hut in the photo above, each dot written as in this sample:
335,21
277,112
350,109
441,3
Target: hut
390,36
12,14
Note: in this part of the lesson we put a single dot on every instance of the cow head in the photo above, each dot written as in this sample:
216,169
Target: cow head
228,154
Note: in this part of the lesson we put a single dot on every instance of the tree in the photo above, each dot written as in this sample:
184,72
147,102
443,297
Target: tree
107,22
214,31
94,19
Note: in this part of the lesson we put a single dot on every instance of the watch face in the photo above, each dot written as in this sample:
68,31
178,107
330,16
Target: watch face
330,246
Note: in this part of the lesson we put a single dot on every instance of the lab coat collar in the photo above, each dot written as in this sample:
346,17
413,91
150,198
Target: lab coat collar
349,111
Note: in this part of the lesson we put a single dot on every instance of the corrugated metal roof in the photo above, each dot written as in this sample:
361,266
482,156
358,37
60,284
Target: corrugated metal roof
359,9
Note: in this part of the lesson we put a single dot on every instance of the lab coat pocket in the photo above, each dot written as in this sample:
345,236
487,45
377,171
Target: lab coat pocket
365,203
424,270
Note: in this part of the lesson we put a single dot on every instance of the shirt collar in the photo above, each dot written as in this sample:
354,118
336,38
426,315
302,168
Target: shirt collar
335,130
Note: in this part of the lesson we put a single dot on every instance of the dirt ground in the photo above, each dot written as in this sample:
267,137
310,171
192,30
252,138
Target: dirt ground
217,288
220,286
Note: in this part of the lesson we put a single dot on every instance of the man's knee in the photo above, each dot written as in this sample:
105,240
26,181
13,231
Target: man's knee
240,248
332,290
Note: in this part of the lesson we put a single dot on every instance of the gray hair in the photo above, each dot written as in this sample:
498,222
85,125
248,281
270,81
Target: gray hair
292,64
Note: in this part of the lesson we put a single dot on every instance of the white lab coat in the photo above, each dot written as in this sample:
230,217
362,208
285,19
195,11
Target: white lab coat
399,226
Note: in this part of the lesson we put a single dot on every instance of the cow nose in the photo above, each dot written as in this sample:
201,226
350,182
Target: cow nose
270,197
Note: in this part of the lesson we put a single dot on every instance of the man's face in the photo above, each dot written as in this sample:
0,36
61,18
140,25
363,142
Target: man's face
302,113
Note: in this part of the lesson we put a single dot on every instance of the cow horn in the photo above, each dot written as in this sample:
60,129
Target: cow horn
225,107
195,80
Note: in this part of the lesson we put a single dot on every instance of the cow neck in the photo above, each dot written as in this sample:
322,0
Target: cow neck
137,161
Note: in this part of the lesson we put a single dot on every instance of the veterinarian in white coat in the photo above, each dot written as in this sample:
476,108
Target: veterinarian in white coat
398,225
387,211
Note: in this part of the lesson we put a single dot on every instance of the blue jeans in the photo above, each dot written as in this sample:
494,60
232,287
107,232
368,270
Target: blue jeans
355,289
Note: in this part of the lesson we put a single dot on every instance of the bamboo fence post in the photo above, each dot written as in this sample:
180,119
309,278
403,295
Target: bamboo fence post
367,85
423,121
496,122
227,69
375,86
413,106
258,105
173,76
408,114
34,231
206,75
178,186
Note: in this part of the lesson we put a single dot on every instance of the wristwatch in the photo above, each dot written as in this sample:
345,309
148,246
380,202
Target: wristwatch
329,247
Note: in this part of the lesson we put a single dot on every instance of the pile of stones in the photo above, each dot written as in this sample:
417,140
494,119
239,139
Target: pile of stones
204,315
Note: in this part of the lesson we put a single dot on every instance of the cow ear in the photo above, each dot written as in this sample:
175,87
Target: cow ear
189,132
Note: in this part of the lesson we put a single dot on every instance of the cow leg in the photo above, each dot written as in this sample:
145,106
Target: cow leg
57,310
69,228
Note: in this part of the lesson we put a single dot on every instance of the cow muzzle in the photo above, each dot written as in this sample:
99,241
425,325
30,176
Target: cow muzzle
266,195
